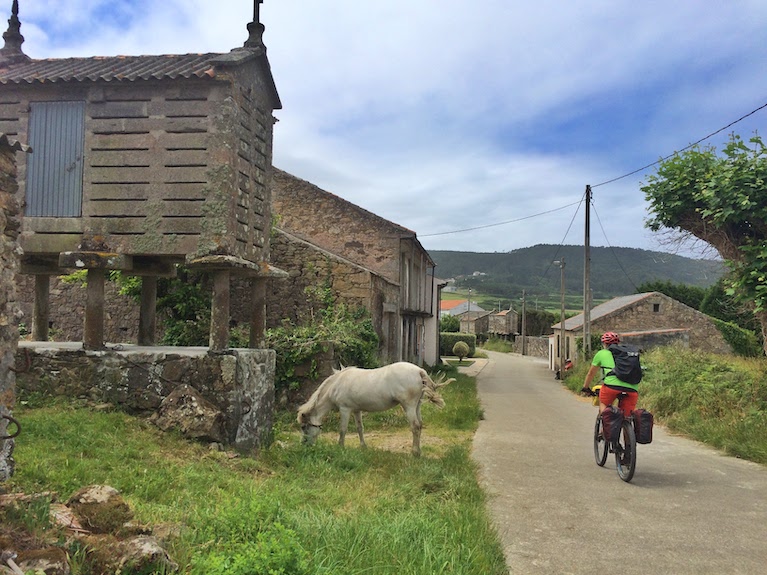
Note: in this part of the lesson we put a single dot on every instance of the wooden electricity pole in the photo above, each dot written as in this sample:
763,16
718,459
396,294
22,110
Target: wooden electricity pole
587,279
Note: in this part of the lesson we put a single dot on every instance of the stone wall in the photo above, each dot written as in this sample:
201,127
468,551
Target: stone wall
339,226
536,346
9,334
239,382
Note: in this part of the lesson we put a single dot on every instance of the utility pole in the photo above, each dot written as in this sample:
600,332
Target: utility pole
561,264
587,279
524,319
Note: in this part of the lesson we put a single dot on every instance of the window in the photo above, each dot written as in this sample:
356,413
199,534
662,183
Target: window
55,166
656,308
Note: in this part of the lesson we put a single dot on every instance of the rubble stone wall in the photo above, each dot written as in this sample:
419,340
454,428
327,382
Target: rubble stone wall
239,382
9,333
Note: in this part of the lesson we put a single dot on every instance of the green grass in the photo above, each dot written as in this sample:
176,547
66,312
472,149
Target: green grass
497,344
719,400
293,509
462,363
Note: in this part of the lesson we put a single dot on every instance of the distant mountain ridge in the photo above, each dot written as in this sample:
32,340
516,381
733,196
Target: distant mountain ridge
614,271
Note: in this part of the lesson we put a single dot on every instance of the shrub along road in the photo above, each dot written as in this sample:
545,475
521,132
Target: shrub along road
688,510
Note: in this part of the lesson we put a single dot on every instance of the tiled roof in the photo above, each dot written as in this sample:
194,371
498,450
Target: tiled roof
109,68
451,303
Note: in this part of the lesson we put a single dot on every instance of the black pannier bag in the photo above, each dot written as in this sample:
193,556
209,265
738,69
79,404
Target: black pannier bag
612,421
643,422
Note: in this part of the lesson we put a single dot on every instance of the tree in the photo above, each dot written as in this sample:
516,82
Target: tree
721,201
449,324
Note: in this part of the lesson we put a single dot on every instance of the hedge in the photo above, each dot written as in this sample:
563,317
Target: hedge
448,339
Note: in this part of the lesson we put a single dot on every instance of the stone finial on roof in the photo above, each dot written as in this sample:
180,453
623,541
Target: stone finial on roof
255,28
11,53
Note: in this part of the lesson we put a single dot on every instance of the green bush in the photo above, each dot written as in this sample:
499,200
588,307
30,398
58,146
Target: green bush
461,349
448,340
449,323
349,332
742,341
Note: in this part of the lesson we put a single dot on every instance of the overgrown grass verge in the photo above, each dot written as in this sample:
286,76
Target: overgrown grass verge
719,400
293,509
497,344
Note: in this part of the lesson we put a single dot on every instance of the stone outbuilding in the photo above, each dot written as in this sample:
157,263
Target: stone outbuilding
400,290
647,319
142,163
503,324
476,322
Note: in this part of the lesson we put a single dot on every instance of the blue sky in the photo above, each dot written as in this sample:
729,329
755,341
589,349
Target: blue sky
445,115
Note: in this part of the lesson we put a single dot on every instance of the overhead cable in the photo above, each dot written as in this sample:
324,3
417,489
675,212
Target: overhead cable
499,223
703,139
620,265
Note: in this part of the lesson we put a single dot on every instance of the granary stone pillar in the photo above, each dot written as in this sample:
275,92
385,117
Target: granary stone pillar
97,264
93,330
10,224
148,311
219,311
258,312
222,268
41,310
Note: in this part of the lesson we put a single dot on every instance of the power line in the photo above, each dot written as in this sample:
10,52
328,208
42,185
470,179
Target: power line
500,223
620,265
703,139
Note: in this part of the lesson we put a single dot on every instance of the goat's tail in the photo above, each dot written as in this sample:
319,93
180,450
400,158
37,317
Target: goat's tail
430,388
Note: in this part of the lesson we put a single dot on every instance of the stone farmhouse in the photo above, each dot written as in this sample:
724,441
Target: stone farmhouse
141,163
367,259
648,320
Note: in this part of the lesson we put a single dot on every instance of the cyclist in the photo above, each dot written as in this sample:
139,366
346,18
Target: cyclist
612,387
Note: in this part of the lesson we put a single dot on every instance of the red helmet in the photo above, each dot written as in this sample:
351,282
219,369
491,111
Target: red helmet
610,338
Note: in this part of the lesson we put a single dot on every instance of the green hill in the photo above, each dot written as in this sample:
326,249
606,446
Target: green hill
614,271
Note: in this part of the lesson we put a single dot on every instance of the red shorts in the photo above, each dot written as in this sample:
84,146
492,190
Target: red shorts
628,403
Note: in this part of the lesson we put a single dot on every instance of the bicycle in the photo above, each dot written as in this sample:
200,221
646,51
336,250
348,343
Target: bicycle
624,448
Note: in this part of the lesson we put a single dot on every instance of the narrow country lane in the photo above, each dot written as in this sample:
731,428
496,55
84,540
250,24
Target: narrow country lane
688,510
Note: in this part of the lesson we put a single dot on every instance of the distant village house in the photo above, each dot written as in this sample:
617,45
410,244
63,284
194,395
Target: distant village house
648,320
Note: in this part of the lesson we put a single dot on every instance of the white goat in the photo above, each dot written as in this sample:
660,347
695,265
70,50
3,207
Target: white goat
353,390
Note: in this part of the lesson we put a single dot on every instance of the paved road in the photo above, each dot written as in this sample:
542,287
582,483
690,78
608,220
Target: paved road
688,510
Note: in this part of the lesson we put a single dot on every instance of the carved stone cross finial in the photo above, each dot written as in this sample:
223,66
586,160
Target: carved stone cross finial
255,28
11,52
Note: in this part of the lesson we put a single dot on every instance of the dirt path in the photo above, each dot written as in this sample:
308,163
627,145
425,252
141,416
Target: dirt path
688,510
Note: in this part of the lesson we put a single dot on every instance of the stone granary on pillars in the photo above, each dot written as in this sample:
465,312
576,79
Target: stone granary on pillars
142,163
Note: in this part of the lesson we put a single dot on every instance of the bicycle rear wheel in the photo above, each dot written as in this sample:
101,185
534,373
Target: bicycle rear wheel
600,445
626,451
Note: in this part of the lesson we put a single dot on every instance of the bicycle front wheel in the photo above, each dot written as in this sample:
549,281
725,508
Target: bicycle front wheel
600,445
626,451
